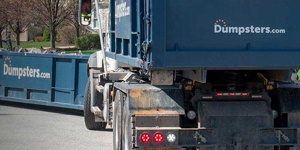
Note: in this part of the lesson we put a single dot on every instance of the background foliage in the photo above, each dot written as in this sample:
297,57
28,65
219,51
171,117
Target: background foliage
89,41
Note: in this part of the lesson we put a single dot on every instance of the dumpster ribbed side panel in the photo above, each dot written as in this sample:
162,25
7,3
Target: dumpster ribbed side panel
44,79
211,35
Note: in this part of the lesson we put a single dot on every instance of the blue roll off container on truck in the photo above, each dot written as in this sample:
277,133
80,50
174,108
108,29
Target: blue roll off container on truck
44,79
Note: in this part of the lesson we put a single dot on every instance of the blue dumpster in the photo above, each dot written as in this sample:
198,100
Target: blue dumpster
44,79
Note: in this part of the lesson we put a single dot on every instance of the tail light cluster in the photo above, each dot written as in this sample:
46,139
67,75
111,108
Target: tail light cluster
233,94
227,94
241,94
157,137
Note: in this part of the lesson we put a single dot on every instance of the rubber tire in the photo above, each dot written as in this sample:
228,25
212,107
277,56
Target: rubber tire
127,128
89,117
117,120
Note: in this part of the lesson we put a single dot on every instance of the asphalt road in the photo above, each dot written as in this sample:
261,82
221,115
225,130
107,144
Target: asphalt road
24,127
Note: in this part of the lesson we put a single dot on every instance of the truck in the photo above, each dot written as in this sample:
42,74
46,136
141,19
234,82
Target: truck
196,74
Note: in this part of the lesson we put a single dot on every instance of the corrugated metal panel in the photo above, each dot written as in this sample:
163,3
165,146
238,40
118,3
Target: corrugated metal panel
206,34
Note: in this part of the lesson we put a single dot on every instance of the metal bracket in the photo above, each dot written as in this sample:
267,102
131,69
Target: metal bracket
124,76
99,88
281,135
96,111
197,75
200,138
106,103
162,77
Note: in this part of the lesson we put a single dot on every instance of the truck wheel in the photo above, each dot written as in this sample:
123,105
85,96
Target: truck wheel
127,128
117,120
89,117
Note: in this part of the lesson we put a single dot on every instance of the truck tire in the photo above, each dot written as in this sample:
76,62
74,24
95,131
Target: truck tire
89,117
117,120
127,128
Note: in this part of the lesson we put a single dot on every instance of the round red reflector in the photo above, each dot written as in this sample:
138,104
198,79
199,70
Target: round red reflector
145,137
158,137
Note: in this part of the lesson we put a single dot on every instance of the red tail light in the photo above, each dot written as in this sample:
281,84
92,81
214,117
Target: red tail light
219,94
158,137
245,94
231,94
145,137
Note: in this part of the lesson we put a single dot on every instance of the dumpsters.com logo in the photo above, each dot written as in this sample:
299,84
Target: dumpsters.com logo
220,26
19,72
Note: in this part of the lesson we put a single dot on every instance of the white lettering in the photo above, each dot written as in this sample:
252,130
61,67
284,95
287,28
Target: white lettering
122,10
20,73
241,30
24,72
233,29
15,71
220,26
5,70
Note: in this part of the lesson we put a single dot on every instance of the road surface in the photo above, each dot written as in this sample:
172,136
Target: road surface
43,128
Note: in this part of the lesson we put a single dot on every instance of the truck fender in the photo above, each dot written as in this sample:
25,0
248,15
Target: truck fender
95,60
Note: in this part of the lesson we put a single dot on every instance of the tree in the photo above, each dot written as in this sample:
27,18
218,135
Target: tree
19,17
3,18
73,18
52,13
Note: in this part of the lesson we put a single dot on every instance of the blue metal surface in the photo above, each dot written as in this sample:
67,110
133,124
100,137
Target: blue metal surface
122,21
206,34
45,79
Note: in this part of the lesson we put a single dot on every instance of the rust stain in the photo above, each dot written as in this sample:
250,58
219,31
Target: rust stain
144,102
135,93
155,112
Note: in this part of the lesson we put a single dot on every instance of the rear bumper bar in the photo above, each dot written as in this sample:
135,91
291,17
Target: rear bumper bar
193,137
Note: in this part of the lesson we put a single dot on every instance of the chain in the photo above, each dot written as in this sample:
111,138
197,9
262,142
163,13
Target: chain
145,71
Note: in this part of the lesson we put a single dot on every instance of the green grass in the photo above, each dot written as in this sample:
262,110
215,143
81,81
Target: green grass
30,44
87,52
35,44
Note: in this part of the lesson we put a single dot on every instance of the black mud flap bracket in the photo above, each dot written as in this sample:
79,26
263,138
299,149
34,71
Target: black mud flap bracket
280,137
